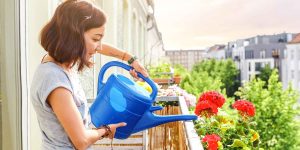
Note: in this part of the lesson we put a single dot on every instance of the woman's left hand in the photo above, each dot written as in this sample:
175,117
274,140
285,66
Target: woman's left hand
137,67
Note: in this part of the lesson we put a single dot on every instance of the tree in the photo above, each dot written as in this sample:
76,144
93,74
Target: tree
276,112
265,74
196,83
223,70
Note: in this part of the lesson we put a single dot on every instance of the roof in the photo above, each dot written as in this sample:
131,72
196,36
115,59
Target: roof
296,39
216,48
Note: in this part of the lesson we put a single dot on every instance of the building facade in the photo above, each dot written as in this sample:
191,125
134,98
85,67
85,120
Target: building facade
216,52
187,58
128,28
291,63
253,54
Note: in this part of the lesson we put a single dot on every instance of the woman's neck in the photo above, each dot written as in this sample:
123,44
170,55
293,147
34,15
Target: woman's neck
66,66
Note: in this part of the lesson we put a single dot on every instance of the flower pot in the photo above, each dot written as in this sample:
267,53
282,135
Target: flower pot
177,79
161,81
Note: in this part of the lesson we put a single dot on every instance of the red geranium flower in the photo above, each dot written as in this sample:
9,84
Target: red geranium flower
214,97
244,107
212,141
206,108
208,103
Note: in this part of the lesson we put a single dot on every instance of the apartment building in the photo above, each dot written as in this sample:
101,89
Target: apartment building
129,27
252,54
216,52
291,63
155,47
187,58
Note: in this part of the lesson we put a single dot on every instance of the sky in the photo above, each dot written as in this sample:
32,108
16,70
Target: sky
198,24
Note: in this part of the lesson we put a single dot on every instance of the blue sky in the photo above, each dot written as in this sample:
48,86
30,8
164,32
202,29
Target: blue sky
195,24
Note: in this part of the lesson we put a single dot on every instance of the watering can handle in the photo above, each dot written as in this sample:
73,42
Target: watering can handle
128,68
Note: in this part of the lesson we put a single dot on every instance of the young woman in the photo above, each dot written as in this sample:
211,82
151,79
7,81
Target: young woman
71,38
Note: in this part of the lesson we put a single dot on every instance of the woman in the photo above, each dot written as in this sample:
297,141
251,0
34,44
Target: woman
71,38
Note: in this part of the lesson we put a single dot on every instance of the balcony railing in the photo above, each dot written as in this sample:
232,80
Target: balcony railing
174,135
275,53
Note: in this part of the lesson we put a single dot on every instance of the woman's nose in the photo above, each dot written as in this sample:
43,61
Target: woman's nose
99,48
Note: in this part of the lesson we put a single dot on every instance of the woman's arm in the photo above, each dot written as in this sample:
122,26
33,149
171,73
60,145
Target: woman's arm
62,103
109,50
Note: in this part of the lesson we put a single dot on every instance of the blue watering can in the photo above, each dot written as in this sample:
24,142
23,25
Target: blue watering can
122,100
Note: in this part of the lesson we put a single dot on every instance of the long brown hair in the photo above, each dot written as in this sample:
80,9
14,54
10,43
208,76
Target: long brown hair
63,36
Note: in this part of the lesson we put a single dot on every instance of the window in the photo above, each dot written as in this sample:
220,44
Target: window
249,66
124,25
284,53
87,78
249,54
134,33
262,54
258,66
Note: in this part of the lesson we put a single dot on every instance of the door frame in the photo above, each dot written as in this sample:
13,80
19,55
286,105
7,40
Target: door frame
14,87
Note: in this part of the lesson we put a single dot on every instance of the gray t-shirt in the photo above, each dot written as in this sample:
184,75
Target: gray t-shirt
48,77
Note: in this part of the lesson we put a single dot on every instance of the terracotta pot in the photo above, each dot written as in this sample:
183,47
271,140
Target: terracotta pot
177,79
161,81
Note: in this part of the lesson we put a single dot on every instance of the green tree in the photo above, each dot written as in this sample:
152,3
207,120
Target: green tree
196,83
276,112
223,70
265,74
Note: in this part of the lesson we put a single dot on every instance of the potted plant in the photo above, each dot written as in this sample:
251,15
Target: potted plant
179,71
177,78
160,73
232,129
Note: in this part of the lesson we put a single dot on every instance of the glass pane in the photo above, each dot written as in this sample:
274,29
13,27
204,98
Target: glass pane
86,78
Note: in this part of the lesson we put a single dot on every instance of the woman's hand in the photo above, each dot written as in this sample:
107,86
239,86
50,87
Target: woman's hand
137,67
113,128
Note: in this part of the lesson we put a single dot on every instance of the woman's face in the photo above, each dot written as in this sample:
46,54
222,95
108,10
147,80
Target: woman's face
93,39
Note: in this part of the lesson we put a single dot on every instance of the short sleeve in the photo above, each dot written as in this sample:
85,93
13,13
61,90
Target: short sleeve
50,81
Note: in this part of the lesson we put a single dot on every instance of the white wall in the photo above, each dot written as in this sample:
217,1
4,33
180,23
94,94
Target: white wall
39,13
154,50
250,63
292,66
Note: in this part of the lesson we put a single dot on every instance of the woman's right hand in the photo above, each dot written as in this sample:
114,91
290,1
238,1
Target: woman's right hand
113,128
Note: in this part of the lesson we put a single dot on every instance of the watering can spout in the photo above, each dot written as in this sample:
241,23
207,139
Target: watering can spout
150,120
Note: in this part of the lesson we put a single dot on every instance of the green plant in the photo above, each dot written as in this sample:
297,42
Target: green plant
198,82
162,70
265,74
277,110
179,70
231,129
223,70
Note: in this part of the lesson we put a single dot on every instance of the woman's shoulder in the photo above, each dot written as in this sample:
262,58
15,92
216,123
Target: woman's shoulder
49,76
49,70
